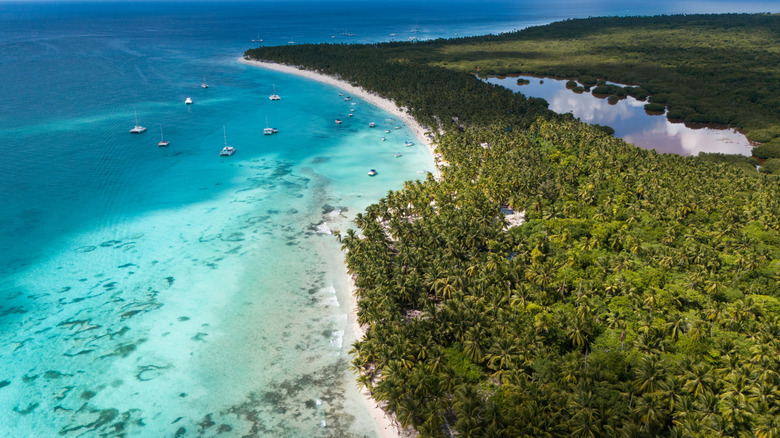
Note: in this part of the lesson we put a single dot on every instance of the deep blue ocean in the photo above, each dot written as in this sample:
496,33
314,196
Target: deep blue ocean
149,291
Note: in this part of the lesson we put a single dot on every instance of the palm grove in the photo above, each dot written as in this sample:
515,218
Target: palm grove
639,298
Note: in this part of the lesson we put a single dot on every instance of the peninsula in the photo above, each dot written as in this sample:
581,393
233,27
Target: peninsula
639,298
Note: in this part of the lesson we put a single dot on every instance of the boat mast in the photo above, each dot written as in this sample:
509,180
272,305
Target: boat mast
224,134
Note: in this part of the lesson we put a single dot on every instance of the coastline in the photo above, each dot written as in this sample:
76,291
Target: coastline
385,422
378,101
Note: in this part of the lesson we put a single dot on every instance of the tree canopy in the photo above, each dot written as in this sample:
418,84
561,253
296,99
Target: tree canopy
719,69
639,298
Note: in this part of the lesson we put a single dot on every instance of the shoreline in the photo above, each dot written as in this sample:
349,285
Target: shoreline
384,421
380,102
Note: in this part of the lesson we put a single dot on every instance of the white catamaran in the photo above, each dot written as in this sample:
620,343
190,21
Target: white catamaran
227,150
162,143
137,129
274,96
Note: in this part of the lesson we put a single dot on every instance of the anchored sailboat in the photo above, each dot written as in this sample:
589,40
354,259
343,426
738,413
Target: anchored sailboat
275,96
268,130
227,150
163,143
137,129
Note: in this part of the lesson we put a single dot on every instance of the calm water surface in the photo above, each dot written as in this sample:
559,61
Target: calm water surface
629,119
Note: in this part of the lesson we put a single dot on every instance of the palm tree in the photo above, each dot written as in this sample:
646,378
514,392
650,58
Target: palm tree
698,380
649,374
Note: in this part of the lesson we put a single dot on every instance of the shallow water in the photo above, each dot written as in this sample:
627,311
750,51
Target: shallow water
168,291
630,120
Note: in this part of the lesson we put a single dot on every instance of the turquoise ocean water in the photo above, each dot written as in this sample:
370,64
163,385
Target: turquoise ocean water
150,291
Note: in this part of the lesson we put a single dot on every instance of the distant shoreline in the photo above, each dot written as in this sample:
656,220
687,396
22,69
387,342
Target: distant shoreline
385,421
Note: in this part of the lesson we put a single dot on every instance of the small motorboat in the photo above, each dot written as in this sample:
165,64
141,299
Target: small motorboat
408,143
372,172
397,127
347,98
350,114
188,101
338,121
383,139
398,155
372,125
387,131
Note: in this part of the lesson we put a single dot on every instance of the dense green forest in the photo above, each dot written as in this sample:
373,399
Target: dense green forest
640,297
705,68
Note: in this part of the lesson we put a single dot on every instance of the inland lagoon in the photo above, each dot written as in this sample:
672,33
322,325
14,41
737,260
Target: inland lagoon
629,119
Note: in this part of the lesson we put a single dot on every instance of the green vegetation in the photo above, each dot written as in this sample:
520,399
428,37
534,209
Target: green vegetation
655,107
709,68
631,302
435,96
769,150
771,165
640,297
746,163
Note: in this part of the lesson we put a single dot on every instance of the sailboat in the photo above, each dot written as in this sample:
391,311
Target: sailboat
274,96
204,84
137,129
227,150
258,40
291,40
162,142
268,130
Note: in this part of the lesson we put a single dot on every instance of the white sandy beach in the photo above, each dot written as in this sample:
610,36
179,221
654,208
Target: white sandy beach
378,101
384,421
